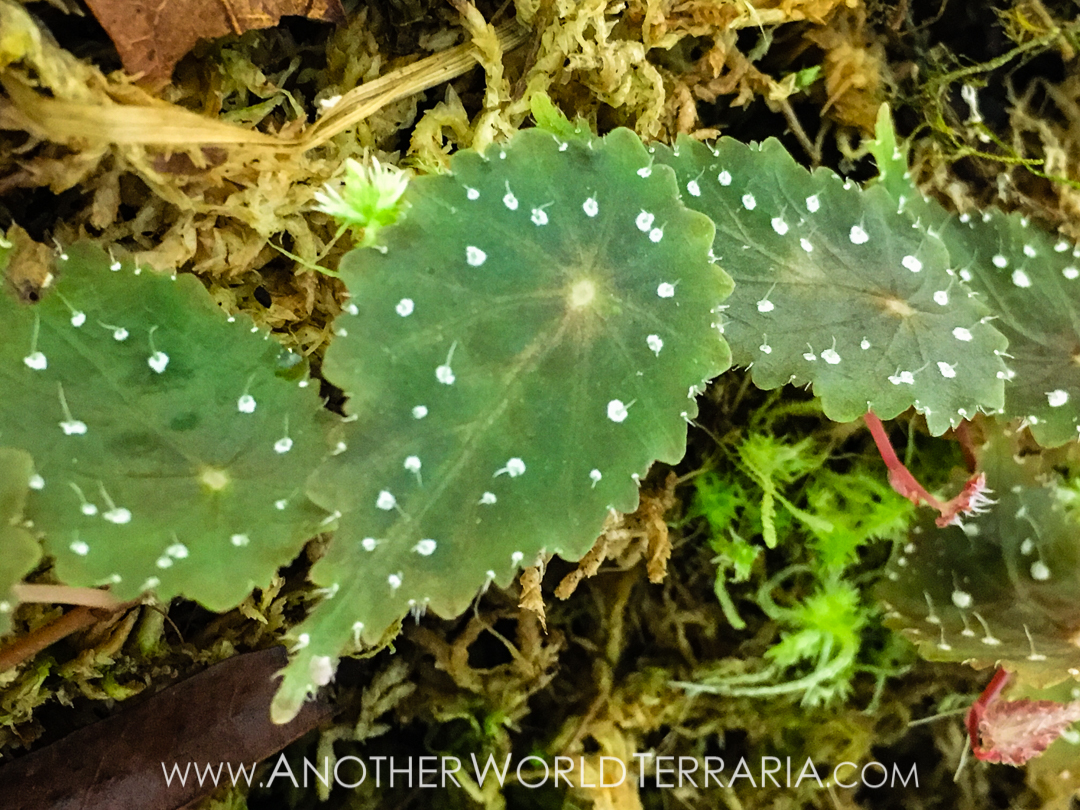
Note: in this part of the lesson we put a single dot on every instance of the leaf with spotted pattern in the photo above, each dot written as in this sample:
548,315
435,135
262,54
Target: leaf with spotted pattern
19,551
530,342
169,454
835,288
1031,282
1029,279
1003,589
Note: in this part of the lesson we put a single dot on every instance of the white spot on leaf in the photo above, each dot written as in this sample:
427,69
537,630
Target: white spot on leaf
858,236
475,256
962,599
445,374
246,404
960,333
590,207
655,343
321,670
911,263
405,307
118,515
1057,398
36,361
616,411
666,290
948,371
514,467
386,501
158,361
425,548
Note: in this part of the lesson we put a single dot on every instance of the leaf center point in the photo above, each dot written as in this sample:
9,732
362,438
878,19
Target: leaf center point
214,479
898,307
582,294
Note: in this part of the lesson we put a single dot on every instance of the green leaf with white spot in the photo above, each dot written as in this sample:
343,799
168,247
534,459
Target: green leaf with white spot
834,288
1002,590
530,342
19,551
1030,281
170,454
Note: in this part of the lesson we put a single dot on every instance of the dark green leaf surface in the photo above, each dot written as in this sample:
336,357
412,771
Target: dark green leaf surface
19,551
530,342
1003,589
168,454
836,289
1029,280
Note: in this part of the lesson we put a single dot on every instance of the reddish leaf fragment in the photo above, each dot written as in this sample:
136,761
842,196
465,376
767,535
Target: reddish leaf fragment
219,718
1011,732
151,36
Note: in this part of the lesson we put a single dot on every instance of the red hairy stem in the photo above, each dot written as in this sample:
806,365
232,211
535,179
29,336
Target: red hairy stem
900,476
978,708
972,500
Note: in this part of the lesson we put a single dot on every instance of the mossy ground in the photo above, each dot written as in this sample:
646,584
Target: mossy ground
599,679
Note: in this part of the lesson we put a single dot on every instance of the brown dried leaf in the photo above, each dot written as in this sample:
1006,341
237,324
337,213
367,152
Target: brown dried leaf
152,36
628,538
532,598
30,267
589,564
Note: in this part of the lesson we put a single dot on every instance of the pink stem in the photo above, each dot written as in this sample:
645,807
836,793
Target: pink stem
900,477
978,708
